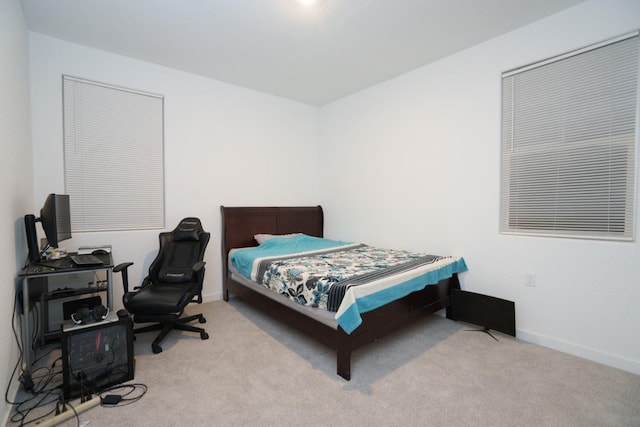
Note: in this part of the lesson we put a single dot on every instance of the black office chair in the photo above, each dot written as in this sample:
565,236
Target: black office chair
175,279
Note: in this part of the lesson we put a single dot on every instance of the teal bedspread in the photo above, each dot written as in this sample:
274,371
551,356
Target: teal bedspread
347,278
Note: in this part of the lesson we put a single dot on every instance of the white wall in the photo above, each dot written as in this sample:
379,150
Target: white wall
15,182
223,145
416,163
411,163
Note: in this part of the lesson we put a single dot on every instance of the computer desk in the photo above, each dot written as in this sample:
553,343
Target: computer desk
42,272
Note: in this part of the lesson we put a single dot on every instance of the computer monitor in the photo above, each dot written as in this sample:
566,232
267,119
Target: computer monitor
55,217
491,313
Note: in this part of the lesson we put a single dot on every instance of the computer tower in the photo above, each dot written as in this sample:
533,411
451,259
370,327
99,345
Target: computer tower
96,355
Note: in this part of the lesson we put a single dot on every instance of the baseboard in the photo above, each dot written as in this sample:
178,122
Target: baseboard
574,349
13,396
212,297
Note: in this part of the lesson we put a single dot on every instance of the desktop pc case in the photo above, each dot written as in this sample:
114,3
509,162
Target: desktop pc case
96,355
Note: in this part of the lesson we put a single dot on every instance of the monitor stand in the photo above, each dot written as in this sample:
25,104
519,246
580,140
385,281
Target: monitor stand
485,330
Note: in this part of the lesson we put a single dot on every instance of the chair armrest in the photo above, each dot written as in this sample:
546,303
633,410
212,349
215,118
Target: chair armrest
123,268
198,266
198,269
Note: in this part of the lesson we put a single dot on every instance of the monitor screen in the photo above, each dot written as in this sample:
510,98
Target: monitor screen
55,217
483,310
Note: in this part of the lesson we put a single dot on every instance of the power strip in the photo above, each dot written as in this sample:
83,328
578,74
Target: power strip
69,413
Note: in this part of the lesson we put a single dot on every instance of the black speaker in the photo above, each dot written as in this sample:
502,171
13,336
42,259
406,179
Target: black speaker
96,355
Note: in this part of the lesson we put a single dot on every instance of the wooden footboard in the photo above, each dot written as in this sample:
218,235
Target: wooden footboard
240,224
391,317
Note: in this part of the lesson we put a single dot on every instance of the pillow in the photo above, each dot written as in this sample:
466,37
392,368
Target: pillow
186,235
261,238
189,229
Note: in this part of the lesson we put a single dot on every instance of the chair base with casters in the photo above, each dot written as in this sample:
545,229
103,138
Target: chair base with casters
179,323
175,279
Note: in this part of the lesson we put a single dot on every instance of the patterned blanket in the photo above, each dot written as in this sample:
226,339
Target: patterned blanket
346,278
322,280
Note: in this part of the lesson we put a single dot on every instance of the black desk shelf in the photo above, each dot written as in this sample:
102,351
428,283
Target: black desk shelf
38,275
48,296
56,295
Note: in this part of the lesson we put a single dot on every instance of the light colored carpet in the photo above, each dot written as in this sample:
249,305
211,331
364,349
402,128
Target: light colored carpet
255,371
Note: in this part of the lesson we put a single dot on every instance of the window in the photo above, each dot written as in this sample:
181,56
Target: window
113,157
569,144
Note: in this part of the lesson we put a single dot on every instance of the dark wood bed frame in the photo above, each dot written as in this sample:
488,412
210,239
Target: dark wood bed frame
240,224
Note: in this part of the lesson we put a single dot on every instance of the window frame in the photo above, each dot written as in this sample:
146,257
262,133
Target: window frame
573,204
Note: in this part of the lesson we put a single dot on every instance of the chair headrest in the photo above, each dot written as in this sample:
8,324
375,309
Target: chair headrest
189,229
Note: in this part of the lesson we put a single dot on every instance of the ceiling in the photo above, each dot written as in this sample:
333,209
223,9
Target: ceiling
313,53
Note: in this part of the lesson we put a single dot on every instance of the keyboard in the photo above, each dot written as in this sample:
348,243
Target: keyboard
86,259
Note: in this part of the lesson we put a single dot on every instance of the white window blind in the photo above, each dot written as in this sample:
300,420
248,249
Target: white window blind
113,153
569,130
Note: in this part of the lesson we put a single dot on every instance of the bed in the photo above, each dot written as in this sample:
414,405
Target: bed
239,227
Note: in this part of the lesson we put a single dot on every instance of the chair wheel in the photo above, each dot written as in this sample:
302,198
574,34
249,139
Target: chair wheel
156,348
204,336
201,319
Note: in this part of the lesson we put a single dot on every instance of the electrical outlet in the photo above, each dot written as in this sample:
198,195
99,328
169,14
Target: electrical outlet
530,280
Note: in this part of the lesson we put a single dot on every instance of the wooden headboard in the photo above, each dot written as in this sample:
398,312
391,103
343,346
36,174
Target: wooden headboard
240,224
